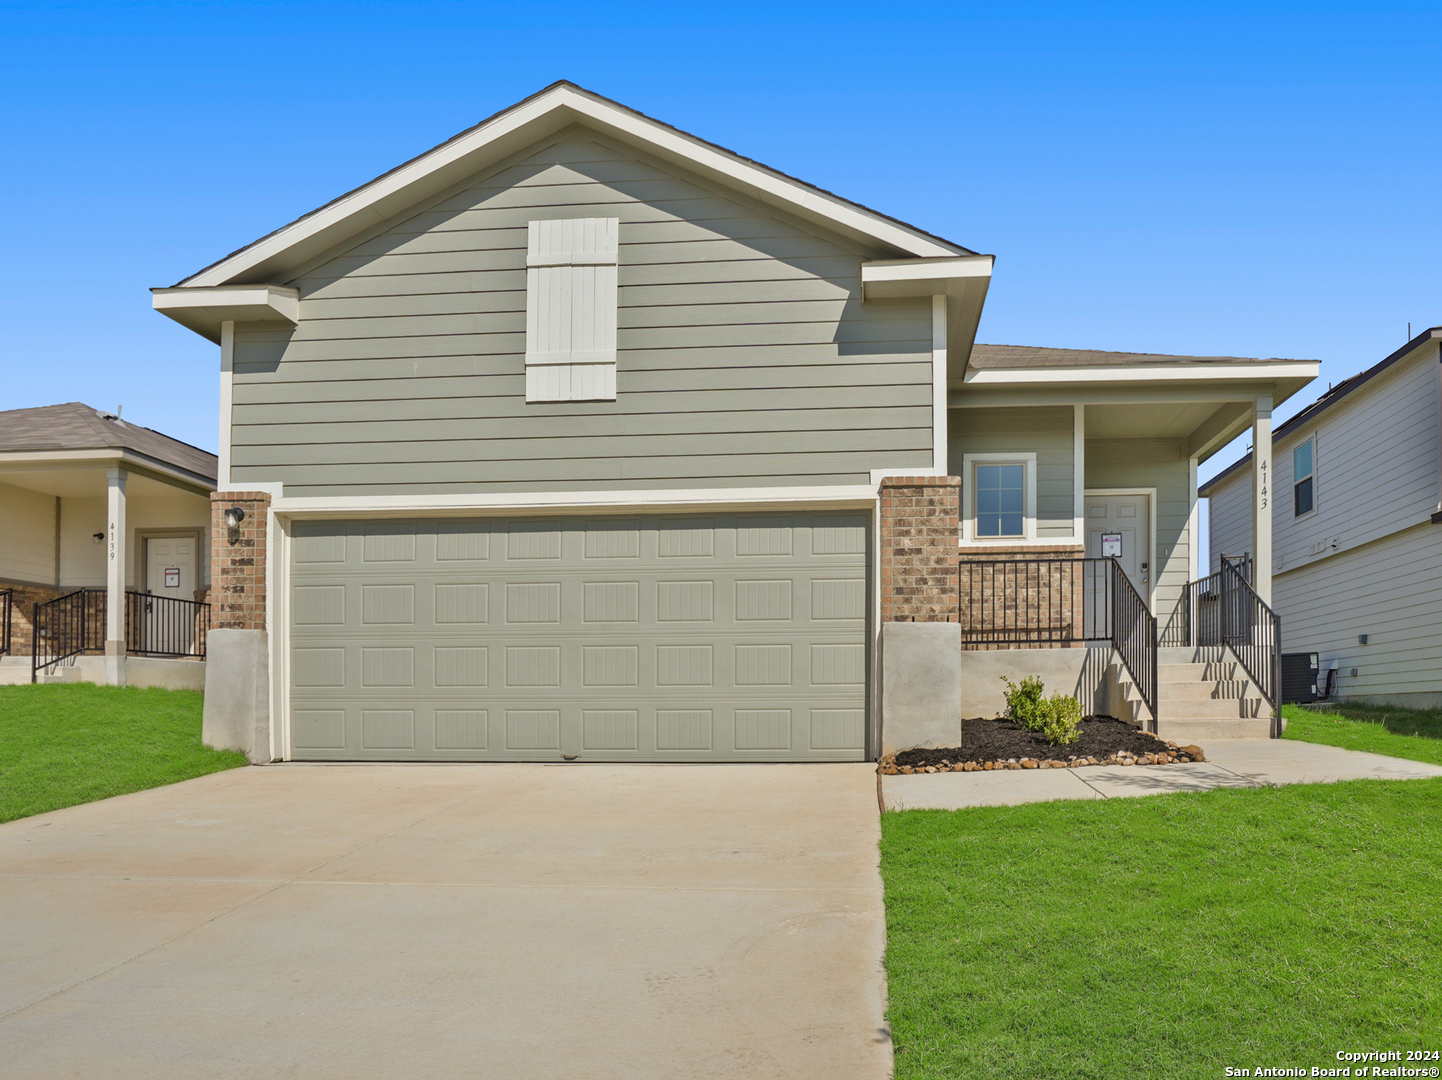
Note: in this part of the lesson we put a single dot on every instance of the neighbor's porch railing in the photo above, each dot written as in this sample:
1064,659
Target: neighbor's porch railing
7,604
1059,602
74,624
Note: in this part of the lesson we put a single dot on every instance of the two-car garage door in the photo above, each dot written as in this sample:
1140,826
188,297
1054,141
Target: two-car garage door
724,637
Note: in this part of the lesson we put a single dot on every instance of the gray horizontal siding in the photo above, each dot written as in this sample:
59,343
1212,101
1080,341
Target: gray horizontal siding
1047,432
745,354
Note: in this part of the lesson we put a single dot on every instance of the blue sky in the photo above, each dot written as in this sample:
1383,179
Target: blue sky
1220,179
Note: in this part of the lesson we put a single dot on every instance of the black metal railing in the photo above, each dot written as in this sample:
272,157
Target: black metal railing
165,625
1020,602
7,603
1223,609
66,627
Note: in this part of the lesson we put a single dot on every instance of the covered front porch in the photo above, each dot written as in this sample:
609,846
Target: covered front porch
104,565
1076,537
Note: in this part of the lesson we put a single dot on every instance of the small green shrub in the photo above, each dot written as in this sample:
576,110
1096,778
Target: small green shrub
1025,703
1057,717
1062,724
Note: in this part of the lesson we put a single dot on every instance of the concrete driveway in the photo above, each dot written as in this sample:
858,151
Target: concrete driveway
451,921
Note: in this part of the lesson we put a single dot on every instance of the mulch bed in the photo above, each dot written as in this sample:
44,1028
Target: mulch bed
987,745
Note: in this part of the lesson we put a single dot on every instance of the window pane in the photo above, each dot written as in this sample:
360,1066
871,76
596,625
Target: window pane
1302,461
1000,500
1302,497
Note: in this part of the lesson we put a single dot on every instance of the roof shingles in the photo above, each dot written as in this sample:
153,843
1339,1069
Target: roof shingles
77,426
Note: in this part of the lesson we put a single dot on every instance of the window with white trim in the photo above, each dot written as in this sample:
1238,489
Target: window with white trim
998,496
1001,500
1303,478
571,309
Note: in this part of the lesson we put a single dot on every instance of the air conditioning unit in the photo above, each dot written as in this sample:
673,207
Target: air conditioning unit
1299,678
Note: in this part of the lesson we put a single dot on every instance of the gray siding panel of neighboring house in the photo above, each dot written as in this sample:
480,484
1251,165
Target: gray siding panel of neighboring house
1160,464
1390,590
1229,519
1045,431
746,356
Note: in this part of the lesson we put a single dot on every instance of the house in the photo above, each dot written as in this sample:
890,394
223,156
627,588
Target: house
104,538
580,438
1357,528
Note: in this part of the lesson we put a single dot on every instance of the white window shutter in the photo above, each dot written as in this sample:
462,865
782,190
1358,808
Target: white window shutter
571,309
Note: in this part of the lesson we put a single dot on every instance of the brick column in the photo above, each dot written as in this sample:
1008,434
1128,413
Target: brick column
237,561
920,523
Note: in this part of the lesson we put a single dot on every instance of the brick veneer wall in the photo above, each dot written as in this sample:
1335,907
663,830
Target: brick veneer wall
237,561
920,522
23,601
1050,595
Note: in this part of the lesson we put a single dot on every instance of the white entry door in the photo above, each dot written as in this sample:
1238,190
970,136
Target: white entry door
1120,525
170,566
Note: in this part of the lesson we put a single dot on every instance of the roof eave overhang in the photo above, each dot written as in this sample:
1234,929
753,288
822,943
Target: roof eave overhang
962,279
513,130
105,458
204,308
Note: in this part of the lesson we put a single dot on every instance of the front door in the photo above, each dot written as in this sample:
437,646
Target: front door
170,566
1120,526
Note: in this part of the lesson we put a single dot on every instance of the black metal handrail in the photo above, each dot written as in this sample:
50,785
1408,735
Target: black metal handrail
7,603
165,625
1134,636
1059,602
1223,609
66,627
1252,630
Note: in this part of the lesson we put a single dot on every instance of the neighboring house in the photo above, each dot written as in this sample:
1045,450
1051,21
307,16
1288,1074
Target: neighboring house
93,508
578,437
1357,528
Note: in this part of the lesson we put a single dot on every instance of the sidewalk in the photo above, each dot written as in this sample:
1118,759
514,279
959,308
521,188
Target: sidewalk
1230,763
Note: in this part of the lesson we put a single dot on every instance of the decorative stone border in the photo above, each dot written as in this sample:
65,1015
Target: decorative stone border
1174,755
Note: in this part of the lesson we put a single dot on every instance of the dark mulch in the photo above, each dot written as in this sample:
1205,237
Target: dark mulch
1002,740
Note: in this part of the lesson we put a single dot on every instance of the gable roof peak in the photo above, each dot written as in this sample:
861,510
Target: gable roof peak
511,130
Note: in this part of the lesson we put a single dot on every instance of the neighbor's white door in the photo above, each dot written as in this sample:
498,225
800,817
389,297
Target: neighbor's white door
170,566
1120,525
168,629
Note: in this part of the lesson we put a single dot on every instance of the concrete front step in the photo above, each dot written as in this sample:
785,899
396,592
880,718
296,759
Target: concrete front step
1197,654
1201,691
1194,730
1195,672
1209,708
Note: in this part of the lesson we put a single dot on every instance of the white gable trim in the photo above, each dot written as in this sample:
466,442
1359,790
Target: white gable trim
510,131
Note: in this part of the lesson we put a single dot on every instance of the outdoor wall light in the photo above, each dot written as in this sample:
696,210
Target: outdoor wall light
1361,639
233,517
95,538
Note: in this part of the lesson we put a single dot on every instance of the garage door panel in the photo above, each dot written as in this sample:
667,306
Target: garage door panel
736,637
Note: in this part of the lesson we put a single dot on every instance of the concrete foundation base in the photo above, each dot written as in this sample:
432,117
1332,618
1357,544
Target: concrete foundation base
140,671
1078,672
921,702
237,693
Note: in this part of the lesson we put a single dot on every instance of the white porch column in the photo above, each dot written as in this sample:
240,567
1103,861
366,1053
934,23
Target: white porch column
1262,498
115,579
1079,473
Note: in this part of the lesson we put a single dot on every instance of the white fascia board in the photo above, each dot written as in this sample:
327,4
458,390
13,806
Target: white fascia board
35,460
818,498
1289,369
889,278
510,132
204,308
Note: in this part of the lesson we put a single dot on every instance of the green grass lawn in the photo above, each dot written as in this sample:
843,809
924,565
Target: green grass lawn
62,744
1168,936
1378,729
